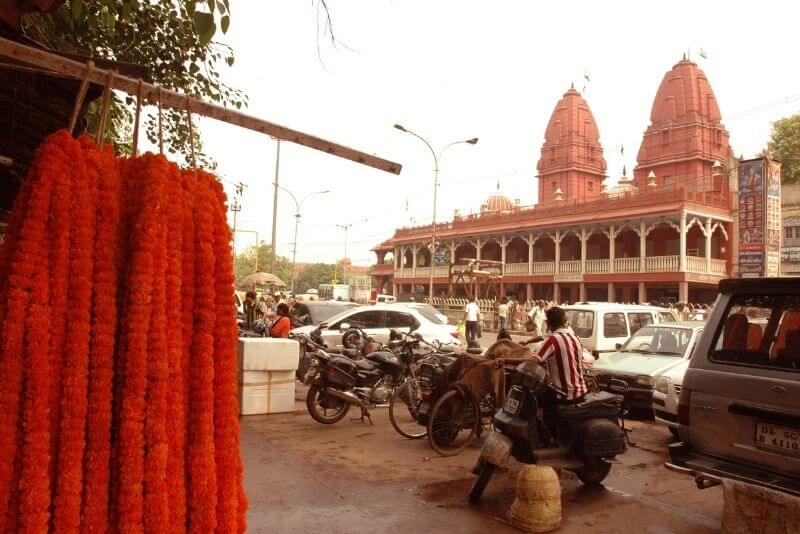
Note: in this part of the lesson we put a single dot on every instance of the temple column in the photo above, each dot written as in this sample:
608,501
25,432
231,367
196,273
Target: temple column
642,246
556,270
682,260
582,292
478,248
642,292
556,292
683,291
611,292
529,291
414,261
708,245
531,242
612,239
583,255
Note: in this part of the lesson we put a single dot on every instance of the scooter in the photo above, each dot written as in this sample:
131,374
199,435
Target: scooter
588,433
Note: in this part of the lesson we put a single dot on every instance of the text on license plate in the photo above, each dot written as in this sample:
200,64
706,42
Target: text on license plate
778,437
511,405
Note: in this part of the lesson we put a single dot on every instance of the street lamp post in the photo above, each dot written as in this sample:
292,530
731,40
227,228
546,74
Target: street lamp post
436,158
344,227
298,205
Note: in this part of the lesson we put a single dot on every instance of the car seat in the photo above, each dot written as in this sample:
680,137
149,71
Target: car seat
734,335
789,355
668,343
789,323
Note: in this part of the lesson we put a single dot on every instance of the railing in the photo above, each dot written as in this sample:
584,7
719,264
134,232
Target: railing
517,268
696,264
569,267
627,265
597,266
441,271
544,267
719,267
423,272
661,264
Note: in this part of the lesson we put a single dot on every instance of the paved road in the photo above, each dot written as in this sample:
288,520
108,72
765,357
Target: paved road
351,477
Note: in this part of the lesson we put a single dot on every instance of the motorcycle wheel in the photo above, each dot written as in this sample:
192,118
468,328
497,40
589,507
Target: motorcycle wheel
594,471
487,470
327,416
453,423
352,339
404,410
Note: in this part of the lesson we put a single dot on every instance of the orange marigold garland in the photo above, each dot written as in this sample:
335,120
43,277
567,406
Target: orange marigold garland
72,436
104,326
202,491
155,432
24,253
226,408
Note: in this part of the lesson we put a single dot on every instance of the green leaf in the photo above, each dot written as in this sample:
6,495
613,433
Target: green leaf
211,6
229,61
193,68
204,26
225,21
76,9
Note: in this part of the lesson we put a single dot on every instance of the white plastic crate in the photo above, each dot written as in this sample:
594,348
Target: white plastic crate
268,354
262,392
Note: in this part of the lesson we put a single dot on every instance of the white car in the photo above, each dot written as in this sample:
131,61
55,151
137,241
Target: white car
378,320
667,394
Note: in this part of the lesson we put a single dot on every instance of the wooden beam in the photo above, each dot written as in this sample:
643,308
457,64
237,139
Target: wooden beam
150,93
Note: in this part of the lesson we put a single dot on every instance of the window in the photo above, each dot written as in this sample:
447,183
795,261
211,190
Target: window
666,317
788,232
590,186
400,320
555,185
365,319
760,331
581,322
614,325
638,320
661,340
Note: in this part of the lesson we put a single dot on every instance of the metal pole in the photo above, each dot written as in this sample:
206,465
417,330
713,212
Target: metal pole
294,250
344,227
433,223
275,202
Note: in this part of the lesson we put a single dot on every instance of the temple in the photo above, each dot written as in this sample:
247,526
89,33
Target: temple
662,235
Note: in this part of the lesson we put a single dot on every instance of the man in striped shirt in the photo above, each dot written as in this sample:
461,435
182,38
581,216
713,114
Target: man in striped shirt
562,353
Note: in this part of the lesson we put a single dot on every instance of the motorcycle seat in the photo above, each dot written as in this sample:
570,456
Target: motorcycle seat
365,365
593,405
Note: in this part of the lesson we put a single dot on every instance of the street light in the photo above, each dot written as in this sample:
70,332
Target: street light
297,223
436,158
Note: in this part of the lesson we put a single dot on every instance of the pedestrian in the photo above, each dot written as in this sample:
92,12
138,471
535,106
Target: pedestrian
502,314
536,318
251,311
283,324
471,317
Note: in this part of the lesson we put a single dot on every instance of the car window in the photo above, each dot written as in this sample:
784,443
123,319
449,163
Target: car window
638,320
401,320
323,312
666,317
581,321
614,325
663,341
760,331
429,312
365,319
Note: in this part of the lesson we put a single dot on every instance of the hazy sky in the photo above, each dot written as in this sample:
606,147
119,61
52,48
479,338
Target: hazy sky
452,70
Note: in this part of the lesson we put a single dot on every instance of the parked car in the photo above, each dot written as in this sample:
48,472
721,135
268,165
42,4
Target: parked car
666,395
738,414
602,325
317,311
427,309
378,320
651,351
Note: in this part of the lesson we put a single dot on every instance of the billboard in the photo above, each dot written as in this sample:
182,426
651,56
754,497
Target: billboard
772,218
751,218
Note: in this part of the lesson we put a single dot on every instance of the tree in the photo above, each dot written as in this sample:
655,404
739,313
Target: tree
312,275
245,263
784,146
172,38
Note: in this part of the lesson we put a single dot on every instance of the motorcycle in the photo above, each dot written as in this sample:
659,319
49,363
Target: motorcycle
337,382
587,434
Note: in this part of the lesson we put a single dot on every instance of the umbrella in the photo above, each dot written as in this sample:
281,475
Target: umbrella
259,279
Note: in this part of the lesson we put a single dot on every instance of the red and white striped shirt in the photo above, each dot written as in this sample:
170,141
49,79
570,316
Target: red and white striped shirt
562,351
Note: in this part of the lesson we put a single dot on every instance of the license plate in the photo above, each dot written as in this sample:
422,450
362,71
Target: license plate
778,437
511,406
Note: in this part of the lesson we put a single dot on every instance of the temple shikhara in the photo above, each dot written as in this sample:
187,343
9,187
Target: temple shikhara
664,233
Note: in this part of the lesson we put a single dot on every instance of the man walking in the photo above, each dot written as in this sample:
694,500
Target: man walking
471,314
502,314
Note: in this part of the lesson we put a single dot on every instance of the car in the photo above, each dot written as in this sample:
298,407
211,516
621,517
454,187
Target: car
385,299
651,351
666,395
378,320
427,310
317,311
738,414
602,325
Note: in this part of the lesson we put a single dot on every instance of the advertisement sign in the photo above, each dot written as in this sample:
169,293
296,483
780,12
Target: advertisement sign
772,218
751,218
790,254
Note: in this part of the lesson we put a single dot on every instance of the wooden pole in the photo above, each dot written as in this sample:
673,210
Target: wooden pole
74,69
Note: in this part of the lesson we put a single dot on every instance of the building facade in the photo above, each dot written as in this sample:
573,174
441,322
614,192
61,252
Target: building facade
790,246
663,234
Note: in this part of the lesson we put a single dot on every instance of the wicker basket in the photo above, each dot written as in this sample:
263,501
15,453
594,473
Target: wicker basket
537,507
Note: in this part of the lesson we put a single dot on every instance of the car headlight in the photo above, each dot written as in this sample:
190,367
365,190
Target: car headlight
662,386
644,380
